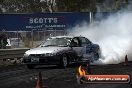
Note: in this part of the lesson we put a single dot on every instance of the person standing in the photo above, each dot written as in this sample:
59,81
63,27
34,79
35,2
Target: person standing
3,41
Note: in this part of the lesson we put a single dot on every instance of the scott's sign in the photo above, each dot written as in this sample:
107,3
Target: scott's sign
41,21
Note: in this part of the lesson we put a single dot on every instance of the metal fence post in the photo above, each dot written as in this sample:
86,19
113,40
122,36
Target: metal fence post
32,37
18,38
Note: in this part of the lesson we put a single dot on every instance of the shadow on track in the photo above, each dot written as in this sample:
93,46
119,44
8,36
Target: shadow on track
55,66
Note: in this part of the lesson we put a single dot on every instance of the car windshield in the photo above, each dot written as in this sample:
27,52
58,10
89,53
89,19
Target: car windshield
56,42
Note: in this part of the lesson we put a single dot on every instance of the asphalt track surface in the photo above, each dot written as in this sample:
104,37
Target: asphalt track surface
18,76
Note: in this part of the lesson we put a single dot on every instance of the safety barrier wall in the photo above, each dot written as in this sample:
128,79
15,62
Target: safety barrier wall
11,56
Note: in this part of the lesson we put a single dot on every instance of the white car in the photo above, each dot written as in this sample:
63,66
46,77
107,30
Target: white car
62,50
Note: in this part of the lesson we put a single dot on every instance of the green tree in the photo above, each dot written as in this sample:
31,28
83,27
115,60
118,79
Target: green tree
21,6
77,5
31,6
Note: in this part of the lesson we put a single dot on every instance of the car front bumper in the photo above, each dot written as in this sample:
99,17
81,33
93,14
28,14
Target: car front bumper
38,59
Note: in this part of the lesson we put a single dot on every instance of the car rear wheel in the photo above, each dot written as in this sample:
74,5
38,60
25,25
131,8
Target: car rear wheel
30,66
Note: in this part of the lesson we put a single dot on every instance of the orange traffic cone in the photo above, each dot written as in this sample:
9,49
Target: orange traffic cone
39,81
126,61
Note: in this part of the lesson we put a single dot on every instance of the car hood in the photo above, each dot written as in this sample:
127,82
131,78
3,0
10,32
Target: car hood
43,50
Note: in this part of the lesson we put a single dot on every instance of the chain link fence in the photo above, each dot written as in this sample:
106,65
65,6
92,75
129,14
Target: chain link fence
31,39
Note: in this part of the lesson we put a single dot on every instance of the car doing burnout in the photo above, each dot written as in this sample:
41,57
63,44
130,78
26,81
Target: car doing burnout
62,50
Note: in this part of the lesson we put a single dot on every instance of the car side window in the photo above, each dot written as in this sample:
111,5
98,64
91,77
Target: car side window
75,42
87,41
84,41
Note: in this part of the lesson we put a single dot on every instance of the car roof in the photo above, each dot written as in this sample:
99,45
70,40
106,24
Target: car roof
63,37
66,36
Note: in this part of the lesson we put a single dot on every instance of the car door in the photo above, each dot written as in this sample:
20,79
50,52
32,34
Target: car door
76,46
86,48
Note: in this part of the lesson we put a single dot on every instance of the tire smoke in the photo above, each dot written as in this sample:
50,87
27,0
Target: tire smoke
113,34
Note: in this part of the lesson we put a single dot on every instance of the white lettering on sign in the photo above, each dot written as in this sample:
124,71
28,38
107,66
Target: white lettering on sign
46,26
43,20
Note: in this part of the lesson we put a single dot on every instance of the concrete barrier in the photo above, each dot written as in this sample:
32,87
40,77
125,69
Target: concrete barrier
11,56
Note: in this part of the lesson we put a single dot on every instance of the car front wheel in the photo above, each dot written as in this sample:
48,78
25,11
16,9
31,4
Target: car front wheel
64,61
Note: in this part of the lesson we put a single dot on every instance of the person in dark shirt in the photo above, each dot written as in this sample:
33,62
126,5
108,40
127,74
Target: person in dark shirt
3,41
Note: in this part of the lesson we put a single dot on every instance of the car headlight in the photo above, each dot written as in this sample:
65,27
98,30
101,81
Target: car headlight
50,54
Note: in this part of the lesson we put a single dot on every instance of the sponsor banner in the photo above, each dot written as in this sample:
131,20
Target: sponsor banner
41,21
106,78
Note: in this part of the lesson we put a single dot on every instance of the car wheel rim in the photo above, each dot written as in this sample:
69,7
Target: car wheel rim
65,61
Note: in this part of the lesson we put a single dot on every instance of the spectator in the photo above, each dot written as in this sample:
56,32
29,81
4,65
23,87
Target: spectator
3,41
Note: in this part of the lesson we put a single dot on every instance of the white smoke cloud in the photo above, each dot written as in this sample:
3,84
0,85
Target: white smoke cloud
113,34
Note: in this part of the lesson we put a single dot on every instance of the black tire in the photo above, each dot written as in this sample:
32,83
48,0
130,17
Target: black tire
64,62
96,56
30,66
